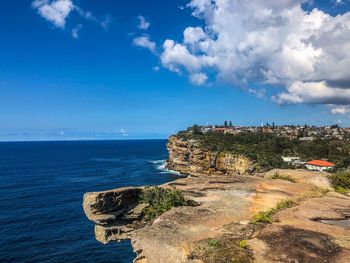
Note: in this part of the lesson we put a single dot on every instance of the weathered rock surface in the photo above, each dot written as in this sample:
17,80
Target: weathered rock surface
301,234
116,213
190,157
303,176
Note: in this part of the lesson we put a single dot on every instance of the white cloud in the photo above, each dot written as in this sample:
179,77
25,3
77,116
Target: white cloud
105,23
193,35
75,31
145,42
143,23
176,56
260,93
58,11
54,11
313,93
124,132
268,42
340,110
338,2
90,17
198,78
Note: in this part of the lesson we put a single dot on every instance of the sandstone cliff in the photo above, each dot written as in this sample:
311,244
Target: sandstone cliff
217,231
190,157
116,213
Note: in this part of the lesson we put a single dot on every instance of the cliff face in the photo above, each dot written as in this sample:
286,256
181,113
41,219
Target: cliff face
315,230
190,157
116,213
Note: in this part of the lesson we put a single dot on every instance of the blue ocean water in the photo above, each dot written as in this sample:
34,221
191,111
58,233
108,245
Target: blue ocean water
41,189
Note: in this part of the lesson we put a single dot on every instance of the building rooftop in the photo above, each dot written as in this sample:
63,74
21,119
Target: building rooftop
320,163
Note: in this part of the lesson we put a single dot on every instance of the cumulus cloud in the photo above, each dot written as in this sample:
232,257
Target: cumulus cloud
267,42
198,78
143,23
54,11
145,42
313,93
193,35
340,109
58,11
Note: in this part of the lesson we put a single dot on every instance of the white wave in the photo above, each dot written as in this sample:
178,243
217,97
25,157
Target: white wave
158,161
161,166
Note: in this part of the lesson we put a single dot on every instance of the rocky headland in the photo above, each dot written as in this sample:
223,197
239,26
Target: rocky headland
189,156
238,217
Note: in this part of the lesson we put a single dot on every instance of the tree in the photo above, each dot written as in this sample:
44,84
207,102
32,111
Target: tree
196,130
230,124
225,124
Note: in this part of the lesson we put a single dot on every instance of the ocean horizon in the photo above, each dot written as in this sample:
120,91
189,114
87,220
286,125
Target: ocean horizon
42,187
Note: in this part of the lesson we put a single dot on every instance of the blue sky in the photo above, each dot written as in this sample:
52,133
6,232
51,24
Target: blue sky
88,78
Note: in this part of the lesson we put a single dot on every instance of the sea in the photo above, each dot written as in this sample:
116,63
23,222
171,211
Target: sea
41,192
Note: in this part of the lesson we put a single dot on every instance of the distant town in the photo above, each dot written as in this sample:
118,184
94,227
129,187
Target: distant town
300,132
315,148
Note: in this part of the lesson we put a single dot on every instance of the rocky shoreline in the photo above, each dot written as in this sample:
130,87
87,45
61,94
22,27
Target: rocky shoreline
221,228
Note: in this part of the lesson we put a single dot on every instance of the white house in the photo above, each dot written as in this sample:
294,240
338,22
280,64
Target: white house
290,159
319,165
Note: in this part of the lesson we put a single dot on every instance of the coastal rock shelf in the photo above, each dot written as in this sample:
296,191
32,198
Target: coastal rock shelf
190,157
211,231
116,213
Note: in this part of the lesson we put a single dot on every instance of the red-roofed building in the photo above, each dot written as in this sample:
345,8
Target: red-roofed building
319,165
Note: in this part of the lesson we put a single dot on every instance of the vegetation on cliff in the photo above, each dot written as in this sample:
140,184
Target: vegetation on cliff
266,149
340,181
160,200
266,216
283,177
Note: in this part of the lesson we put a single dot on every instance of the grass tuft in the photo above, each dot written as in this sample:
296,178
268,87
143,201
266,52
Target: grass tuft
214,243
264,217
341,190
284,204
282,177
243,244
267,216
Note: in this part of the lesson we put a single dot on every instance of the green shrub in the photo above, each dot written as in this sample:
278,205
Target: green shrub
282,177
341,190
213,243
285,204
161,200
340,179
243,244
264,217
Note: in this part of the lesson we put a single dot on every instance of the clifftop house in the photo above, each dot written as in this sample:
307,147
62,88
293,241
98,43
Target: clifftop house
319,165
291,159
